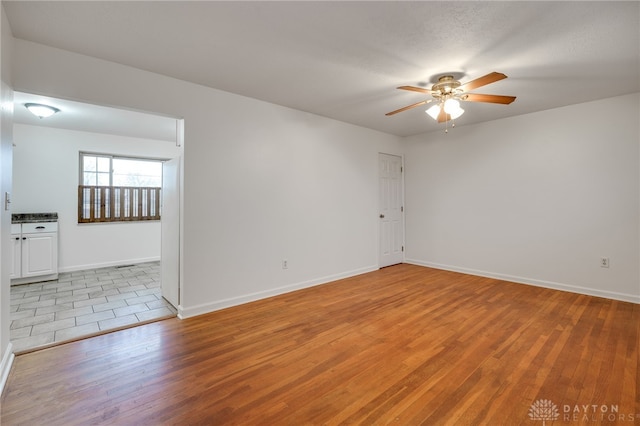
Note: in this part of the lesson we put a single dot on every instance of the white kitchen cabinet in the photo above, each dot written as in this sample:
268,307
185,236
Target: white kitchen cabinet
36,259
15,251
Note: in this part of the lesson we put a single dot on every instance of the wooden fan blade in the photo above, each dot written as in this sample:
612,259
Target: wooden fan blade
494,99
443,116
417,104
483,81
415,89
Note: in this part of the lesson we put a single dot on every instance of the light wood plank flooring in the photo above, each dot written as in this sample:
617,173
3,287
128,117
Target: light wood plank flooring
405,345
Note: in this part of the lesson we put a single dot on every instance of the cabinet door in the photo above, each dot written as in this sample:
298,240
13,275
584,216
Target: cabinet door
16,254
39,254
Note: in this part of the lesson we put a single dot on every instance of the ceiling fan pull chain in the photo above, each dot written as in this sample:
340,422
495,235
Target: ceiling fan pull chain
446,119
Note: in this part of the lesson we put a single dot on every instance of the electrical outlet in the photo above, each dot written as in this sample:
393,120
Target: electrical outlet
604,262
285,264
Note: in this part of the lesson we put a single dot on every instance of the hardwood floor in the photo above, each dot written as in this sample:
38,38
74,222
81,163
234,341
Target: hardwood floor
404,345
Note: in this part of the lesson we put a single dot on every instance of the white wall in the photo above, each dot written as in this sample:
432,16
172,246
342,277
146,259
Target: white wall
538,198
6,135
45,179
261,182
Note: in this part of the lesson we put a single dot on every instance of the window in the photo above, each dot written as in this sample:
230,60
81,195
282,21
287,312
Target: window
116,189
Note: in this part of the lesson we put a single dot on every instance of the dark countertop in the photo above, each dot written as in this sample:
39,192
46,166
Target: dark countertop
33,217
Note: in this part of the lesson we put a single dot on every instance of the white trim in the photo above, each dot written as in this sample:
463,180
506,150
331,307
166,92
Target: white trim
109,264
252,297
5,366
531,281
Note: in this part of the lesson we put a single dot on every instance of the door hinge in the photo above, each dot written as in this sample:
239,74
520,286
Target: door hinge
401,169
401,208
402,248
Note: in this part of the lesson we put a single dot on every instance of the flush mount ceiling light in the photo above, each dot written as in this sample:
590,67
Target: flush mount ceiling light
40,110
448,92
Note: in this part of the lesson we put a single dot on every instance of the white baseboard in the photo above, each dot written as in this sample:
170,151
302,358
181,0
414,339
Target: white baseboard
107,264
531,281
186,312
5,366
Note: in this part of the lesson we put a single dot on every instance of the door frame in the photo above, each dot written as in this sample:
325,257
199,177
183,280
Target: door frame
170,232
180,224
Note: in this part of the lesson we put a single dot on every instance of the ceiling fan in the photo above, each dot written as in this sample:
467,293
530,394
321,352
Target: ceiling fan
448,92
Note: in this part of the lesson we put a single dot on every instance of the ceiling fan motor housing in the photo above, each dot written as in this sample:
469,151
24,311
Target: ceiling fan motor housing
446,84
445,87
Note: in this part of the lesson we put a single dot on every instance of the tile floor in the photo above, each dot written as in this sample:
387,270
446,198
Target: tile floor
85,302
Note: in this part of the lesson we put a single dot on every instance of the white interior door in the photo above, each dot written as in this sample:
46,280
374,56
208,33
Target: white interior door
170,228
391,211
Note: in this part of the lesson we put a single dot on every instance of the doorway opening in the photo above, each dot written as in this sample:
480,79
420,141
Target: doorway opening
109,274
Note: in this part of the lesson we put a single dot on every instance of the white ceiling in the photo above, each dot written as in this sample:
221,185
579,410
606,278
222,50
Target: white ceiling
94,118
344,60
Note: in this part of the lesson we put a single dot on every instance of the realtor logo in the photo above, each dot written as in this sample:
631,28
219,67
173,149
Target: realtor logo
544,409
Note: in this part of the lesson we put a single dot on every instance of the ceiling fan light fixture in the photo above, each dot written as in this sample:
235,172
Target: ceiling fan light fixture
456,113
41,110
451,105
434,111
